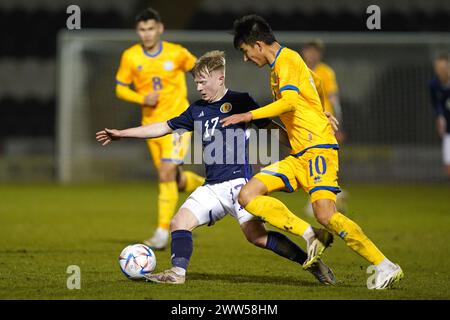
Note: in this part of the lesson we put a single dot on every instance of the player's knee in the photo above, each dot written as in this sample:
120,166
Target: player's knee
167,174
245,196
323,210
184,219
175,224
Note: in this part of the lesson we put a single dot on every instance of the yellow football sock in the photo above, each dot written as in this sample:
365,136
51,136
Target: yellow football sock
193,181
355,238
277,214
167,203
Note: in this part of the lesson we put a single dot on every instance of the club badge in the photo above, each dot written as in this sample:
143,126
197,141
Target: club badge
226,107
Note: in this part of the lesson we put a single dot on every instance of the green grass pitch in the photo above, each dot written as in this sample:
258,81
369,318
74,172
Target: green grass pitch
46,228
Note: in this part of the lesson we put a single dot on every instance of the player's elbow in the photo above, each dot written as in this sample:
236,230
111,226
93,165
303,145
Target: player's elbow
289,103
119,92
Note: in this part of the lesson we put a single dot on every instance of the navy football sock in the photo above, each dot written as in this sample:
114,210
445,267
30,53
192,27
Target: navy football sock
181,248
283,246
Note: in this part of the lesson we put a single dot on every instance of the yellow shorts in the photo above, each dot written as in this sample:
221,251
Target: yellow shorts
315,171
170,148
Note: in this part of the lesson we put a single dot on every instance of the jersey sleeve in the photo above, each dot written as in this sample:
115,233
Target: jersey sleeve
287,77
124,74
252,105
186,60
184,121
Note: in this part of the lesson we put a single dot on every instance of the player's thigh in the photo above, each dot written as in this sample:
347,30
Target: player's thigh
279,176
168,171
251,189
323,210
184,219
446,149
205,206
228,193
317,173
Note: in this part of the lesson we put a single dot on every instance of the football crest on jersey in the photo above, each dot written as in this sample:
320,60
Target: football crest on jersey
226,107
168,65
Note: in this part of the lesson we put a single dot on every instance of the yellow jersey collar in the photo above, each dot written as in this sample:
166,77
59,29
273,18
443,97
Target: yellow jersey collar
148,54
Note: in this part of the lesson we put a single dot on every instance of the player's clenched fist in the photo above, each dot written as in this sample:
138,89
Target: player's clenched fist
333,121
107,135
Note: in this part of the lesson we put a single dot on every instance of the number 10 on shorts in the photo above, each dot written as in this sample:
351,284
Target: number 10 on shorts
319,165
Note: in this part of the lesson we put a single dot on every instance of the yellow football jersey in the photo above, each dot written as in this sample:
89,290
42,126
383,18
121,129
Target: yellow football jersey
164,72
307,125
328,77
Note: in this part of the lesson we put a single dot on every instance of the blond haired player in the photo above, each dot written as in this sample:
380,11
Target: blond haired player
224,178
313,164
156,69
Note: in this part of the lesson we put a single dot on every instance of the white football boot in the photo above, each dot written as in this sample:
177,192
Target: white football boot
159,240
386,277
167,276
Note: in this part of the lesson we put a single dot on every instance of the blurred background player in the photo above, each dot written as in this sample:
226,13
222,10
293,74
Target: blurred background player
440,97
312,53
157,70
218,196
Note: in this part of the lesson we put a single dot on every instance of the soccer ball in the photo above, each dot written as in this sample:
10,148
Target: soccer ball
137,260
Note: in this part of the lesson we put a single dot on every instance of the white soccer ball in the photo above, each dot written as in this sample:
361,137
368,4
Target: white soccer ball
137,260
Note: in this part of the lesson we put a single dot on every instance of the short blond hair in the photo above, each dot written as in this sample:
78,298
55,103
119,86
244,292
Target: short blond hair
210,61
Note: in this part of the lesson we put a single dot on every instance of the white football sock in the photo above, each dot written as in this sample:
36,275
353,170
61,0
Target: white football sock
309,235
385,264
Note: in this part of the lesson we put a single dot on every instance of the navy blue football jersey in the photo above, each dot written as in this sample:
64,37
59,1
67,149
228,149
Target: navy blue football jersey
225,150
440,98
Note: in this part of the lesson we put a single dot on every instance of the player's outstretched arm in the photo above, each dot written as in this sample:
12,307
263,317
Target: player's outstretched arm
153,130
272,110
